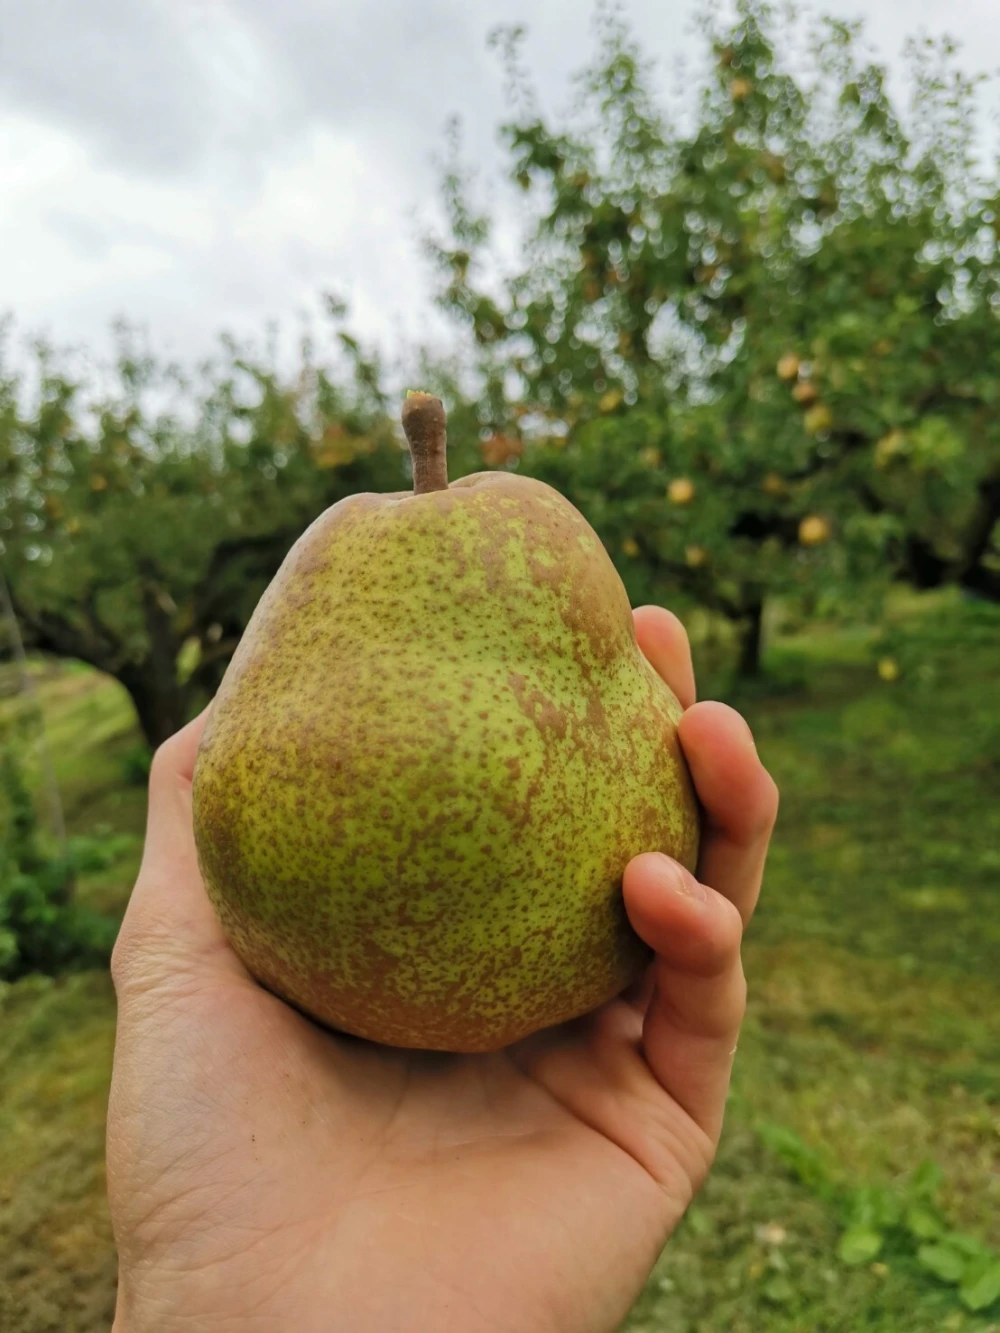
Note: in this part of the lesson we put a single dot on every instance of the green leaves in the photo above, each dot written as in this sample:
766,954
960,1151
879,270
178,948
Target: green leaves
804,1162
908,1223
922,1224
143,515
980,1285
778,1290
876,1207
945,1261
42,929
963,1262
925,1182
873,1213
859,1245
794,224
894,1225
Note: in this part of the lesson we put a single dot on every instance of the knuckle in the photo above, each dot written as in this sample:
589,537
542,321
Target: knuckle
138,956
164,761
122,958
734,930
739,995
770,799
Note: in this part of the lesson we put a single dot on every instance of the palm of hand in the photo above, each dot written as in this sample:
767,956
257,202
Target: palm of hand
266,1174
455,1184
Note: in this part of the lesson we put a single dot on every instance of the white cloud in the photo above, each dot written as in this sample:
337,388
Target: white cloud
206,164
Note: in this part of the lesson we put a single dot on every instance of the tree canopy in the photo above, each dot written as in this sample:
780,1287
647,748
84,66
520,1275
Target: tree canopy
143,513
756,343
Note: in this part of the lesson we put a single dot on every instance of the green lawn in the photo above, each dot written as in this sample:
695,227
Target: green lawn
873,1038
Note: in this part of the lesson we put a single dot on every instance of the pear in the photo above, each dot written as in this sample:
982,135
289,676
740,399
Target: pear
433,754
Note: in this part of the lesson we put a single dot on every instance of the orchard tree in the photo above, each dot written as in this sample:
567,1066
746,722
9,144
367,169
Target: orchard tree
142,514
757,345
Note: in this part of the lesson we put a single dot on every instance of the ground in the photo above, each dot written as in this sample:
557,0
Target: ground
873,1037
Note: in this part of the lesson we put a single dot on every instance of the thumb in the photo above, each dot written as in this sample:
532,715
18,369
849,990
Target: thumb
170,928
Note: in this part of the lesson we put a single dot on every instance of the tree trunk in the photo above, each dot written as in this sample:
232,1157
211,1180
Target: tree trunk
160,707
751,641
159,697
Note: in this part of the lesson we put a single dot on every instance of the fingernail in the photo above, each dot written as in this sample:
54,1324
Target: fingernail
681,881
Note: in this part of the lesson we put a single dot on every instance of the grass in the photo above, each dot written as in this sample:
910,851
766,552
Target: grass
90,734
57,1262
873,1033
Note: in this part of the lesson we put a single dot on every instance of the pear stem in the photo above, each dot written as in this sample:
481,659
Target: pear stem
425,426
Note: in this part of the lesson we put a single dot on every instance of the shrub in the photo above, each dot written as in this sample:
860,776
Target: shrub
42,928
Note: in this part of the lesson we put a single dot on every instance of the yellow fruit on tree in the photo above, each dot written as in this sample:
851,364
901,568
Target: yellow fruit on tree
888,447
888,669
805,392
818,419
499,450
814,530
631,547
695,556
681,491
773,484
788,366
740,88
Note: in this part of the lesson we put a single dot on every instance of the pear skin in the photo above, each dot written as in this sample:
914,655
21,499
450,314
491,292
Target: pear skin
434,752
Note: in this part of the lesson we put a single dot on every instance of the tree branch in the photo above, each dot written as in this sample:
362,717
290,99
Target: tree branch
980,529
51,632
267,550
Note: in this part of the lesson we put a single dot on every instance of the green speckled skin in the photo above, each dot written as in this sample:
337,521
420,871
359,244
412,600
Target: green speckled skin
433,754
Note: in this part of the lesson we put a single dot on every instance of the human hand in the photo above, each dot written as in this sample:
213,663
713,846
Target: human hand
264,1174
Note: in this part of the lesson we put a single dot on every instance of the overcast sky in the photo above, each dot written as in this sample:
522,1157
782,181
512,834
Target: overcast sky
204,164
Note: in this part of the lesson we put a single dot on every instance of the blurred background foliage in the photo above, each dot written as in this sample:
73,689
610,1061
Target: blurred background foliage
756,348
755,342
